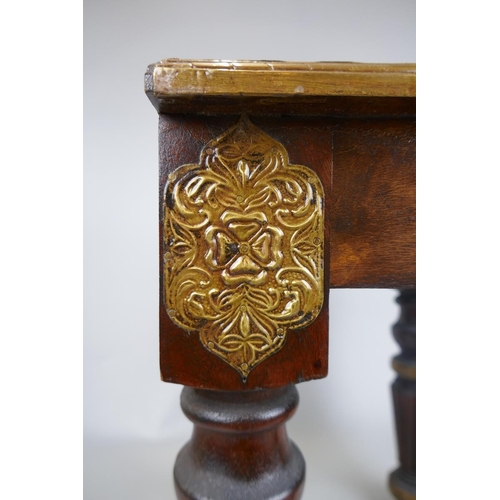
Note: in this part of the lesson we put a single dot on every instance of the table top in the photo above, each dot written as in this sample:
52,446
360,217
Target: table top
176,85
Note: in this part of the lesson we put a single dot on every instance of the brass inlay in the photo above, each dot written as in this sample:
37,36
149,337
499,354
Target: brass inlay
243,246
172,78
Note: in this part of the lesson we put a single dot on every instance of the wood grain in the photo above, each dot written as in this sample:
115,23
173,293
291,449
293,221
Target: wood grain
373,222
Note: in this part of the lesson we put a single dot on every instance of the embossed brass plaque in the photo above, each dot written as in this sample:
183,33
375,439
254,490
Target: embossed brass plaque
243,246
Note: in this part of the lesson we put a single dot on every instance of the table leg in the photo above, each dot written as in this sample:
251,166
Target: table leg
239,448
402,480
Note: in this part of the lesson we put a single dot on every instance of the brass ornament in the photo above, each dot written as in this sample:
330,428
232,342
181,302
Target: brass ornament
243,246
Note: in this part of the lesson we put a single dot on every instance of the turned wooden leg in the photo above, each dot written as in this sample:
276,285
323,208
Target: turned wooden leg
239,448
402,480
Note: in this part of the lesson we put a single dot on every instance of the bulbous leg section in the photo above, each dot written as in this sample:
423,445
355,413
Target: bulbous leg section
239,449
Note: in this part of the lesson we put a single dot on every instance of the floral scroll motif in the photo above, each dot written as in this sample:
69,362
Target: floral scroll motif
243,246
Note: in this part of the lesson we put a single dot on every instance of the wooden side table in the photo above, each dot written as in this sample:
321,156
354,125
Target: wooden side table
278,181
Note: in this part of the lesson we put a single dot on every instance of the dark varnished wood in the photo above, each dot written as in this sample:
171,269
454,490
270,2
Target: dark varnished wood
402,481
373,204
239,448
345,107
